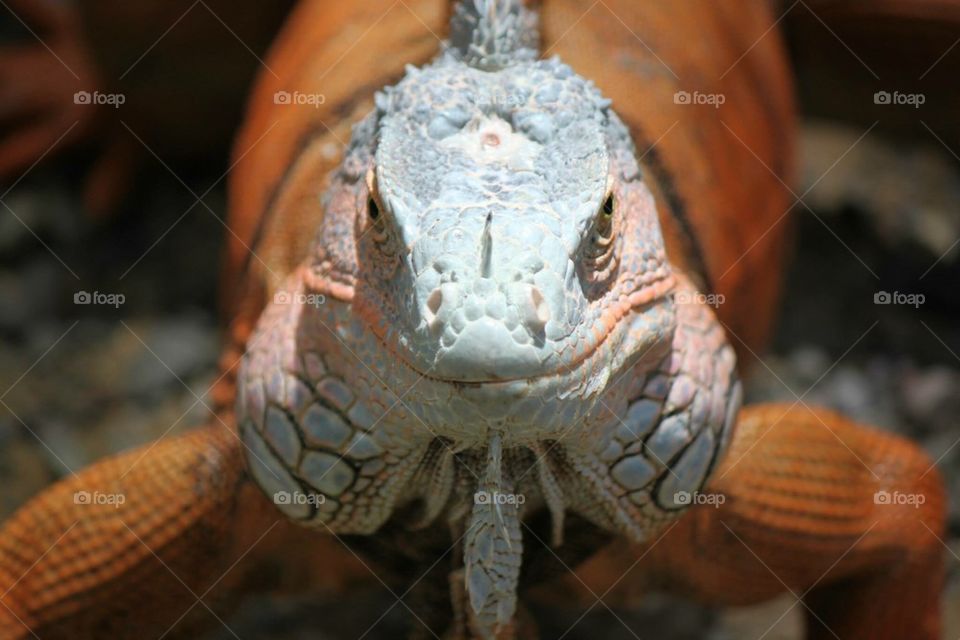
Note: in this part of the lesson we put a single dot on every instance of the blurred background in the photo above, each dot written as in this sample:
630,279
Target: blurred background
128,202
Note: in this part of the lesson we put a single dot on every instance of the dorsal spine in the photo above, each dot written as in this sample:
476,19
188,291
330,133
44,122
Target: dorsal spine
493,34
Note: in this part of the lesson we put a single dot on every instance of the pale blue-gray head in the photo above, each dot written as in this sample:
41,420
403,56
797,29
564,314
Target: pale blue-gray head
502,191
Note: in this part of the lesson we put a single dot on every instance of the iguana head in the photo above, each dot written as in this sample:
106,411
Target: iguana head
501,223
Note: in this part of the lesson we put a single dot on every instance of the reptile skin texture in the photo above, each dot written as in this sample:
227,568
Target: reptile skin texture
399,357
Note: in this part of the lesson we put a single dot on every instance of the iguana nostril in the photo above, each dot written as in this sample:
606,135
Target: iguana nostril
434,302
490,139
448,303
537,315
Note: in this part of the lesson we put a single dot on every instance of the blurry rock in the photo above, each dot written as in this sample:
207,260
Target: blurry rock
809,361
951,600
848,390
172,349
930,393
23,470
29,292
778,619
910,190
65,444
47,212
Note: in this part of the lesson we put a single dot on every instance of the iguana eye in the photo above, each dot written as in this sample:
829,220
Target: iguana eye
603,229
599,251
601,237
608,206
378,225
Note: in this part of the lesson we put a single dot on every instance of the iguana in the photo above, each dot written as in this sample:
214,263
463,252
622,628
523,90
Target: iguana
482,335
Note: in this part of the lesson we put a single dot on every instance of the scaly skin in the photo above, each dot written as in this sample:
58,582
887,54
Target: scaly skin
483,302
583,356
801,514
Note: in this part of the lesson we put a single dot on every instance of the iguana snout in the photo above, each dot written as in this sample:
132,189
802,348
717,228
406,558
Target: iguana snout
485,307
494,329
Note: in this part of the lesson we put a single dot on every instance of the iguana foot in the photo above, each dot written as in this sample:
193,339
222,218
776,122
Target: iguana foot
846,518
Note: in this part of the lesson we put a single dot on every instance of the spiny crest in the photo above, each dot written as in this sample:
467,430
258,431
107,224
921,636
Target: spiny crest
493,34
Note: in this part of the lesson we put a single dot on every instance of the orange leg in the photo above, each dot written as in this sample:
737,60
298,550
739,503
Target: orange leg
126,548
846,518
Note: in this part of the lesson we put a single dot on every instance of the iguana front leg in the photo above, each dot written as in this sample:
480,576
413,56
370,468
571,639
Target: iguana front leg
127,547
844,517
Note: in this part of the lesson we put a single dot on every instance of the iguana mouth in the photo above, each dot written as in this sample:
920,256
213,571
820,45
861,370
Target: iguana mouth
495,359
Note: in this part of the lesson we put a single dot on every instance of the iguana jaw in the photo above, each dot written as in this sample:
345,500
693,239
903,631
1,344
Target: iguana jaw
527,410
605,333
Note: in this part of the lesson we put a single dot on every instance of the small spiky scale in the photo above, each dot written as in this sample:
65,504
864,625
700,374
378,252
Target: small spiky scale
493,547
492,34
